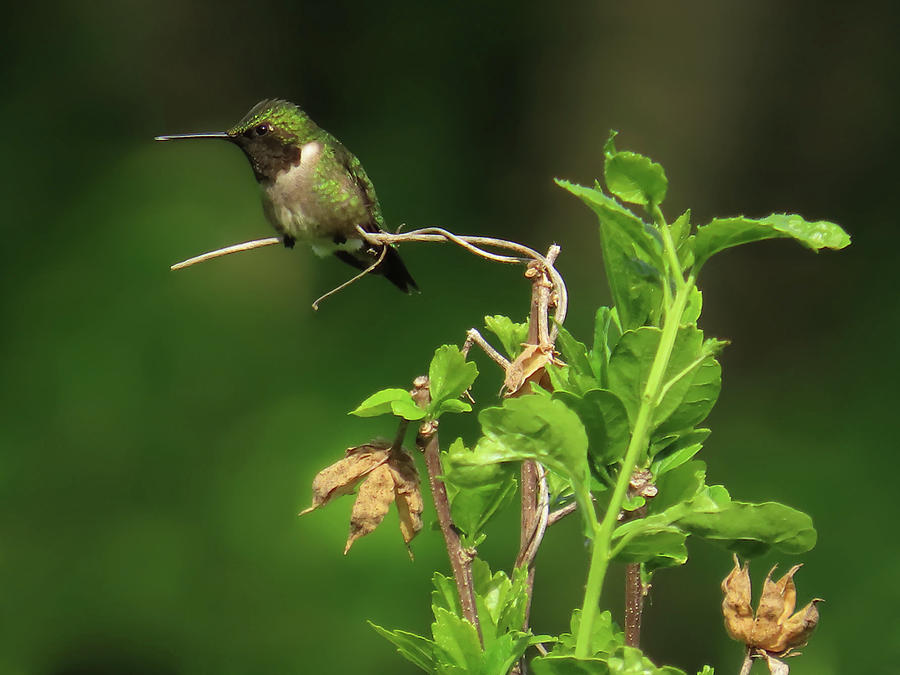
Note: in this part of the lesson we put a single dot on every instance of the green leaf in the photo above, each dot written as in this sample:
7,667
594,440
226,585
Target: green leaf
554,664
606,334
635,179
698,392
605,420
390,401
691,381
631,661
632,257
752,529
454,405
575,353
500,656
707,670
605,636
501,601
678,451
412,647
678,485
445,596
650,541
477,492
694,307
450,376
680,228
512,335
457,639
722,233
535,427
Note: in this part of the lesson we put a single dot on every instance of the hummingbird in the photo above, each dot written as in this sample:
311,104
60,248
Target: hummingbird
314,190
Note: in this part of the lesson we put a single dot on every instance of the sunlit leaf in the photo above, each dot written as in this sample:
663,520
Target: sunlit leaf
632,177
412,647
722,233
390,402
449,375
511,334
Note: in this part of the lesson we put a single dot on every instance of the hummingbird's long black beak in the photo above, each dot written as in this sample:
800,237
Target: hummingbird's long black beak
178,137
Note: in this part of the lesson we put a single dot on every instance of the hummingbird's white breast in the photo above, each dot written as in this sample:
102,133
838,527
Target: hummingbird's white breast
293,206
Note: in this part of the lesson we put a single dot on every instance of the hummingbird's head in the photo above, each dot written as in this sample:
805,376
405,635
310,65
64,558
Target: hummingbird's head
271,134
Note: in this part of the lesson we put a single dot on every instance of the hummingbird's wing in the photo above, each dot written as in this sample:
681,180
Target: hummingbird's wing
366,190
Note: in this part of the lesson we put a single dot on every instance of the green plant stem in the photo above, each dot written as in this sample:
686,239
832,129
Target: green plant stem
600,554
668,245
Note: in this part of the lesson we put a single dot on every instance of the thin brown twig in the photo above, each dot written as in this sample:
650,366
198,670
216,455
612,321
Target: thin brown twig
429,234
460,558
474,337
359,276
236,248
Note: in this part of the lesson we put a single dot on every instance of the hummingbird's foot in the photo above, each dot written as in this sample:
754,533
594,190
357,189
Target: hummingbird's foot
289,241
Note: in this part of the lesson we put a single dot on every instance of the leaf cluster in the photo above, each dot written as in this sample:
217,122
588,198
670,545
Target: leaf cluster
633,396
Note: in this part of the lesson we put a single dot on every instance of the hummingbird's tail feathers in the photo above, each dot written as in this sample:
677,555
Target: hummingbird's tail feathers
391,268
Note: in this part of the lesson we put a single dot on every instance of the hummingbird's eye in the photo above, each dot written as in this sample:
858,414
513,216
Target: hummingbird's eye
263,129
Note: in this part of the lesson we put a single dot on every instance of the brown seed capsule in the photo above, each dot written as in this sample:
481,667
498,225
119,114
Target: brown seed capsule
776,629
736,604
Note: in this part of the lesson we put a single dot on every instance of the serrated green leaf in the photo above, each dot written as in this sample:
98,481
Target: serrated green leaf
605,420
682,401
723,233
390,402
511,334
412,647
680,228
500,656
501,601
477,492
445,596
535,427
450,375
564,664
457,640
626,243
575,353
635,179
605,636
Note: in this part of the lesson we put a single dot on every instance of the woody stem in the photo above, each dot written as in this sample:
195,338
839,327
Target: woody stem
460,558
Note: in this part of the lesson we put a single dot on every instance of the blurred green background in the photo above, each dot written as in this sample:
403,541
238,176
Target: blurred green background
159,431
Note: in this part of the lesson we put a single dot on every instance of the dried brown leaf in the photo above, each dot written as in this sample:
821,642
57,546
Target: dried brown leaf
372,504
342,477
408,496
528,367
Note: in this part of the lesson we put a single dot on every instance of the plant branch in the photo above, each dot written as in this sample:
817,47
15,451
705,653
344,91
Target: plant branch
430,234
601,555
460,558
